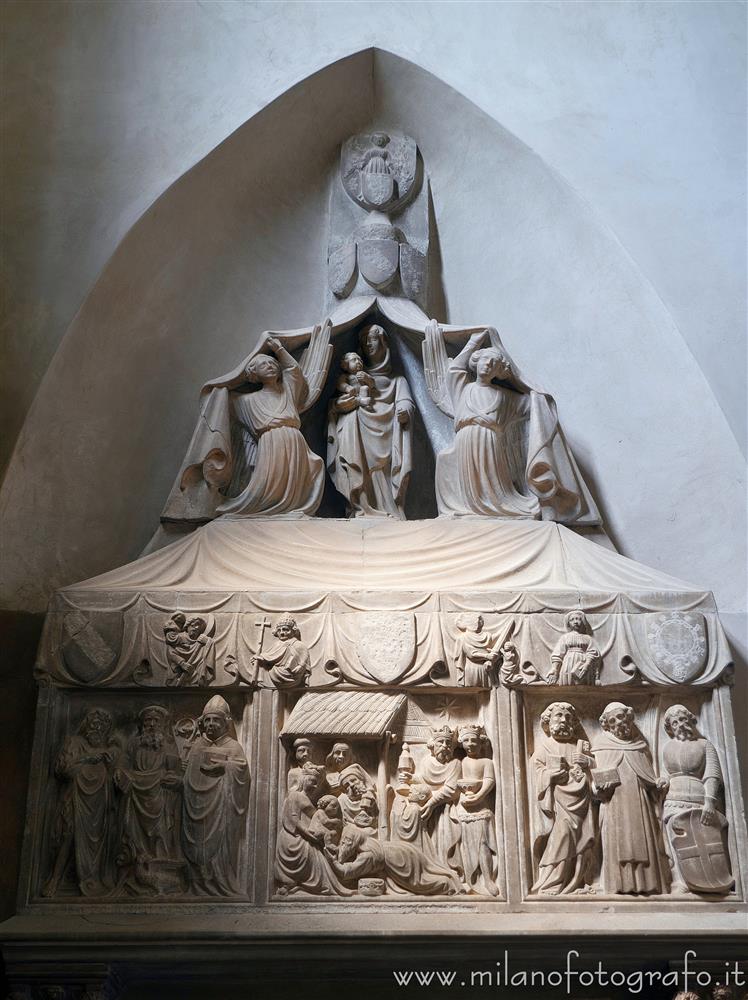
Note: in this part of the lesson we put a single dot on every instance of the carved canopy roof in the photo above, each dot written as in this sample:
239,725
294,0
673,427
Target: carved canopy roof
363,714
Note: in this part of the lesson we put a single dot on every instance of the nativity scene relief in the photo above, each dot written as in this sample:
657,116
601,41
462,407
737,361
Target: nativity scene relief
372,814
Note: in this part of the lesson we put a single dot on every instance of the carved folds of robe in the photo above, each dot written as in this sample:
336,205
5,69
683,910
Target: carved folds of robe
287,478
406,824
577,657
405,868
148,808
300,864
369,453
86,811
214,813
568,828
634,861
475,475
443,826
288,663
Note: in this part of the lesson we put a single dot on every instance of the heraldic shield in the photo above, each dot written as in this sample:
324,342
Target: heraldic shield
341,269
377,189
677,644
379,170
378,261
386,644
702,852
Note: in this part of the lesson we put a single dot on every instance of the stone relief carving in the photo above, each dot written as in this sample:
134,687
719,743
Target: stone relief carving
414,642
216,795
190,652
633,854
476,652
385,792
369,452
379,173
287,477
695,827
386,643
561,764
677,642
666,833
513,671
403,867
440,772
406,820
85,822
509,458
287,662
149,777
575,658
160,813
430,829
301,864
248,455
478,848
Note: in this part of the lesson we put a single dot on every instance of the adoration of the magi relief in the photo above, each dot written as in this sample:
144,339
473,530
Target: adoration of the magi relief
380,647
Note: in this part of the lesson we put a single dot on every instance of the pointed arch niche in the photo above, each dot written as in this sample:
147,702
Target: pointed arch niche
238,244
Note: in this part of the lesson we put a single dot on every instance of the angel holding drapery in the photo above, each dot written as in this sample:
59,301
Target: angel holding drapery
248,456
509,458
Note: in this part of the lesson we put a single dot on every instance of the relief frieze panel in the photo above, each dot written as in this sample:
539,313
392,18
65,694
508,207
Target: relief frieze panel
146,800
384,797
319,641
626,798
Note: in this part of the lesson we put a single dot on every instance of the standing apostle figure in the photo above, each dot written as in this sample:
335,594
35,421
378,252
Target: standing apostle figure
564,794
634,861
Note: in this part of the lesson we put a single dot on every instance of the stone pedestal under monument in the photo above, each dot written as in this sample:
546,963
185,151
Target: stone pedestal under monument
380,611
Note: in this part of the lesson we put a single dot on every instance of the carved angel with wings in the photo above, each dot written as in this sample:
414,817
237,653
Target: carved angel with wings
509,458
248,455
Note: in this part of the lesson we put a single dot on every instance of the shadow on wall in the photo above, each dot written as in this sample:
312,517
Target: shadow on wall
238,245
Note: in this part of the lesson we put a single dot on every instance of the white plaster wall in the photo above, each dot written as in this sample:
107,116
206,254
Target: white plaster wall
640,106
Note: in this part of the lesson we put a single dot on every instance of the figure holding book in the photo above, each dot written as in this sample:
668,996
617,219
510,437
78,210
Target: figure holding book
634,860
564,792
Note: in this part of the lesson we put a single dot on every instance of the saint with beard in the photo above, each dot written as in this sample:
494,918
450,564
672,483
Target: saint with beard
149,779
695,789
634,861
564,794
215,800
440,772
84,823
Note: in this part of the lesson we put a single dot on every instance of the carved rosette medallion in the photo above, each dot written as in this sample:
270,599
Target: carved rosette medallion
386,644
677,644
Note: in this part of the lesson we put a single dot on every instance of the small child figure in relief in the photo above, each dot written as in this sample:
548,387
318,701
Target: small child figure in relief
327,821
355,386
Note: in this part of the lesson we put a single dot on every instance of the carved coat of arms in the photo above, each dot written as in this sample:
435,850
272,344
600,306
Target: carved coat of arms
677,644
379,170
386,644
702,853
88,644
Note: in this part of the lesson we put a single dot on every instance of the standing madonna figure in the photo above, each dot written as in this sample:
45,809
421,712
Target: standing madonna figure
369,434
